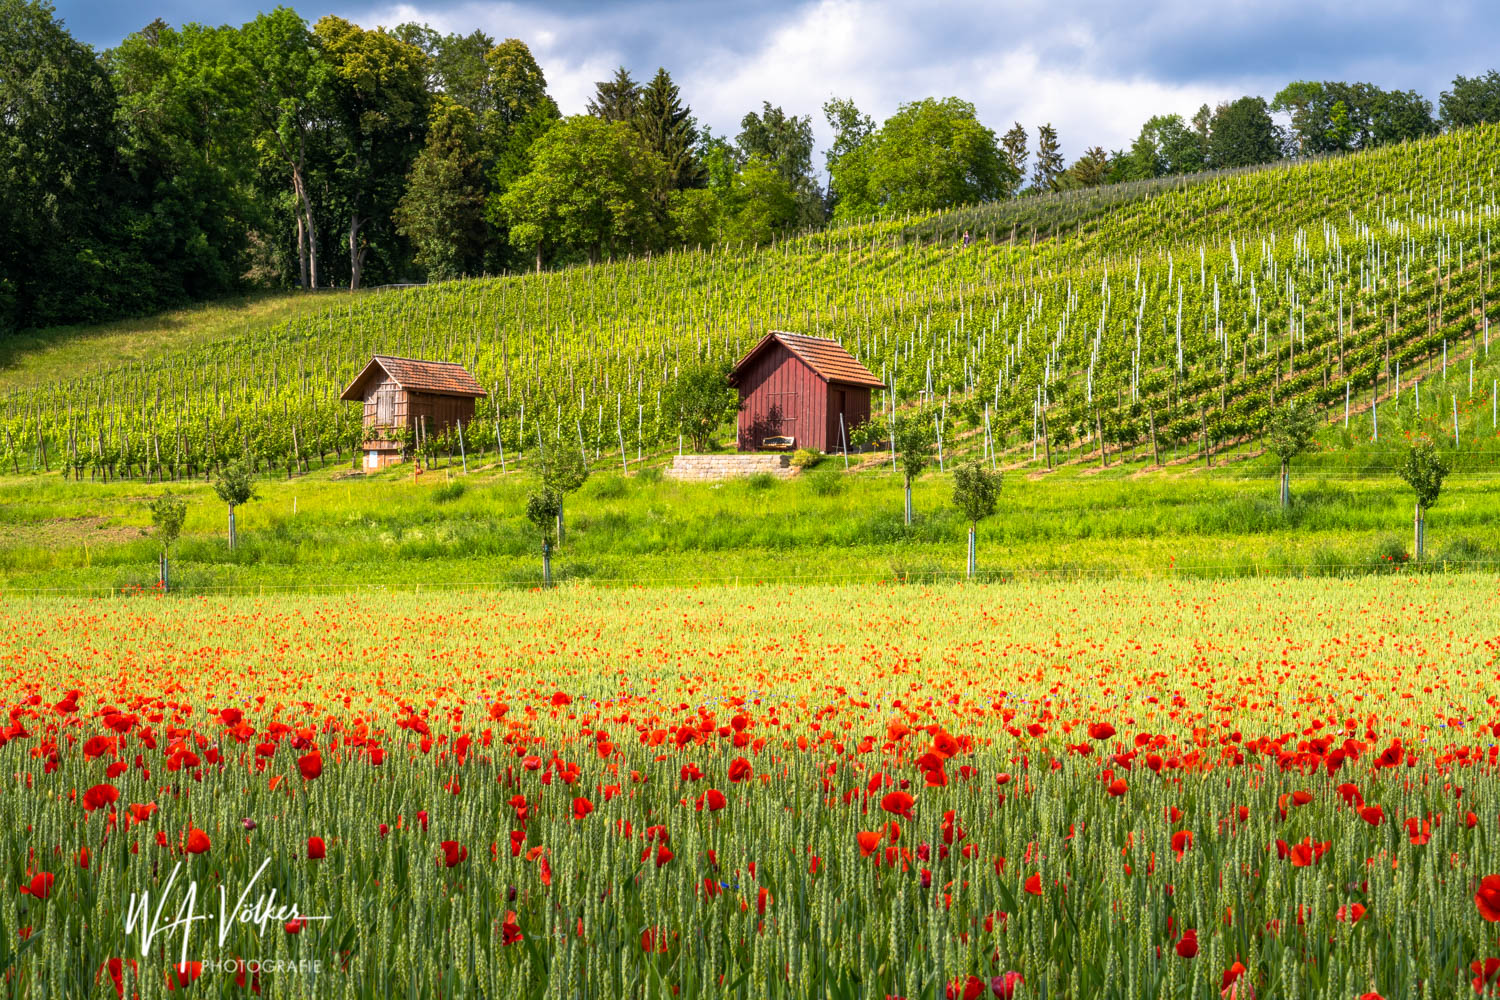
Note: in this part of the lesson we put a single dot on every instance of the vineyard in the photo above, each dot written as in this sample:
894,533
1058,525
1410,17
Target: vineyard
1165,317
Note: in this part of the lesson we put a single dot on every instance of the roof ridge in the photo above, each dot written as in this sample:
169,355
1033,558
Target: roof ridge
419,361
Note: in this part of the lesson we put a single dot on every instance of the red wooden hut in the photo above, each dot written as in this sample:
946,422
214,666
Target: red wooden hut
793,386
426,397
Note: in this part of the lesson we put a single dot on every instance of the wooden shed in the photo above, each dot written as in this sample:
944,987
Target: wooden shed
798,387
425,396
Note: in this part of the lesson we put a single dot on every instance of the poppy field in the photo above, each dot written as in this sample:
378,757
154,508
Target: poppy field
1130,789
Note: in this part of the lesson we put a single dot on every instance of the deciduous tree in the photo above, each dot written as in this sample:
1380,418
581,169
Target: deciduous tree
373,86
442,209
593,185
976,490
1423,469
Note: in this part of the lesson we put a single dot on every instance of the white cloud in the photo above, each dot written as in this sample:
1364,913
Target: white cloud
1092,69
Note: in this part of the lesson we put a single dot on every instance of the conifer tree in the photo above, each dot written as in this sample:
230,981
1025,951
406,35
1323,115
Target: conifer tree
1047,172
617,99
667,126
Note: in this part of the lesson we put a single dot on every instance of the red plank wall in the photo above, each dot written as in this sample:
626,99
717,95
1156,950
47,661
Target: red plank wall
780,381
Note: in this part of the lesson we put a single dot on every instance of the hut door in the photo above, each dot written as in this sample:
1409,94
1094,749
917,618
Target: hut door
783,416
835,418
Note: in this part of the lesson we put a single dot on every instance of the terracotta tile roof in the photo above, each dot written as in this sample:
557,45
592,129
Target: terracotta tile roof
444,378
825,356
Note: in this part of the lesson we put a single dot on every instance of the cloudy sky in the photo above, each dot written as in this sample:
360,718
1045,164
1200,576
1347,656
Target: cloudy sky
1095,70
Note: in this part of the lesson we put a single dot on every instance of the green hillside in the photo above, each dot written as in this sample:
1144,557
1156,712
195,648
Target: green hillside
1183,310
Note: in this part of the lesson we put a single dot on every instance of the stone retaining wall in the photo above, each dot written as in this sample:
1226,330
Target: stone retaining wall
710,467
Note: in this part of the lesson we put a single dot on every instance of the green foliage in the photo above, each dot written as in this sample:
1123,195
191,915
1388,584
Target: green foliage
617,99
758,205
1333,116
442,211
847,158
915,438
929,154
168,511
542,508
1013,147
373,87
976,491
1423,469
1242,134
760,481
564,470
1471,101
66,255
456,65
806,458
785,142
517,88
1046,174
234,485
666,126
1089,170
826,482
1290,430
592,184
609,487
700,399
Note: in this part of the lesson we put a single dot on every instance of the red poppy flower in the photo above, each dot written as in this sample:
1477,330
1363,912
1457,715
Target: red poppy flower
1187,945
1181,841
510,930
869,842
1351,913
740,769
293,926
1004,985
453,853
115,968
1487,898
1034,885
582,807
899,803
713,799
559,699
198,842
1373,815
315,848
1100,730
183,975
965,989
1484,973
1118,787
40,885
1419,832
99,796
310,764
1232,973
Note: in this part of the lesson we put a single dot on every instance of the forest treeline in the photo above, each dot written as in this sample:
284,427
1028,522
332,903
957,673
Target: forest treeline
189,162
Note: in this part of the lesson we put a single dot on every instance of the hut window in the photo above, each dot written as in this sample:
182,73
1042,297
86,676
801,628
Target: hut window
384,406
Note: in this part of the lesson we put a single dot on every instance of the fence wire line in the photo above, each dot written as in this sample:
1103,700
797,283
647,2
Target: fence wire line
1208,571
